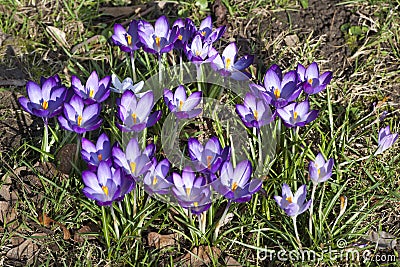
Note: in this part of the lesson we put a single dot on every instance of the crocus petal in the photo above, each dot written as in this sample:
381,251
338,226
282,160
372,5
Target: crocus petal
229,54
244,62
312,71
161,27
34,92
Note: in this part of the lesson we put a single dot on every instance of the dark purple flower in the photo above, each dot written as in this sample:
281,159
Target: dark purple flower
207,33
94,90
135,114
312,82
227,65
320,170
191,191
210,157
199,52
156,180
186,29
293,205
107,185
235,184
93,154
45,100
254,112
277,90
80,118
134,161
128,41
158,39
297,114
385,139
181,105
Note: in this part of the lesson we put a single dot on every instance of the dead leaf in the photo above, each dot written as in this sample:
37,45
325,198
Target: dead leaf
220,12
229,261
81,236
7,213
26,249
46,221
161,241
65,157
200,256
291,40
59,36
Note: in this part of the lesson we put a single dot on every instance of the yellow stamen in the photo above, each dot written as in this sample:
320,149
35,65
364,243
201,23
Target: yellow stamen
133,166
228,63
129,39
105,189
99,157
277,93
319,171
45,104
310,81
203,33
188,191
79,120
234,186
295,115
289,199
134,116
158,39
209,158
180,37
255,115
195,204
155,180
180,105
197,53
91,93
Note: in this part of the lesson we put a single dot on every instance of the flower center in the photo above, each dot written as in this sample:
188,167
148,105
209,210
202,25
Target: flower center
289,199
134,116
100,157
79,120
277,93
197,53
129,39
234,186
91,93
319,171
188,191
195,204
133,167
158,40
203,33
155,180
105,189
295,115
310,81
227,63
256,115
180,37
45,104
209,158
180,105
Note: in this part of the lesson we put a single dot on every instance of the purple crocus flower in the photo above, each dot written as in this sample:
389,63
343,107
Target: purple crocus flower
128,41
227,65
385,139
107,185
181,105
156,180
254,112
320,170
199,52
80,118
191,191
93,154
297,114
45,99
134,161
235,184
312,82
293,205
158,39
135,114
278,90
126,84
186,29
207,33
94,90
210,157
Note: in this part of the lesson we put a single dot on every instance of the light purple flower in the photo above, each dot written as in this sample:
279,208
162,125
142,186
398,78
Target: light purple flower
156,180
254,112
135,114
107,185
207,33
93,154
134,161
45,99
385,139
210,157
126,84
235,184
320,170
312,82
293,205
80,118
128,41
297,114
199,52
94,90
181,105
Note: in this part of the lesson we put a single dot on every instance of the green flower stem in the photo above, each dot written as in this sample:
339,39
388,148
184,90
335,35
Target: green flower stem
105,228
115,222
260,155
160,76
181,66
311,208
78,146
133,67
221,220
45,141
296,232
134,200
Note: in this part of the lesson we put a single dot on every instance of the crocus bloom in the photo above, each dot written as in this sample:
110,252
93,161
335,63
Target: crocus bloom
45,100
158,39
210,157
199,52
293,205
156,180
128,41
297,114
235,184
207,33
186,31
181,105
80,118
126,84
320,170
254,112
313,82
191,191
227,65
385,139
93,154
134,161
278,90
107,185
135,114
94,90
